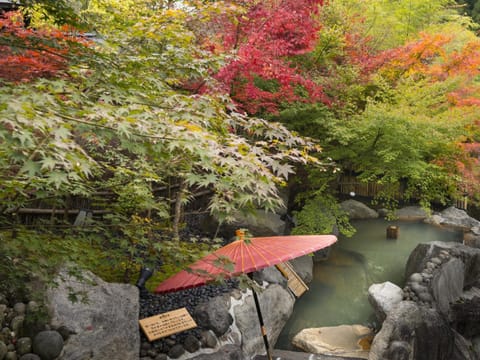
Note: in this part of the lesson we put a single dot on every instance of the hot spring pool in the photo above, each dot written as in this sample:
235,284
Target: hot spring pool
338,292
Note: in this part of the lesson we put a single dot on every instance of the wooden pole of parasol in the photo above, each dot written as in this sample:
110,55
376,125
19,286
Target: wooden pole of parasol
262,325
241,236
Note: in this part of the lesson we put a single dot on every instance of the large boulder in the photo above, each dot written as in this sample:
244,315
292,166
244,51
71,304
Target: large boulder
303,266
415,332
411,213
259,223
357,210
276,304
383,297
213,315
343,340
271,275
447,284
454,217
104,326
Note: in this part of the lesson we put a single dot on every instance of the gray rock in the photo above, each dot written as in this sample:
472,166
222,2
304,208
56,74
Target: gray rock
321,255
17,324
447,284
456,218
471,239
416,277
11,355
227,352
476,345
463,349
342,340
271,275
5,335
413,332
191,344
32,307
47,344
30,357
176,351
161,357
208,339
276,304
357,210
236,294
64,331
214,315
258,223
104,327
411,213
20,308
3,350
145,345
303,266
383,297
23,345
3,310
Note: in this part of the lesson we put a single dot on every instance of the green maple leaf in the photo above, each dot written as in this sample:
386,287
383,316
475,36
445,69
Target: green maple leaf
31,168
57,179
48,163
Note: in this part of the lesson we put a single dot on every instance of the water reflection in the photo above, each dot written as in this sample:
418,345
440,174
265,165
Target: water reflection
338,292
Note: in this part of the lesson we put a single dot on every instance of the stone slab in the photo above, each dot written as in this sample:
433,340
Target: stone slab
298,355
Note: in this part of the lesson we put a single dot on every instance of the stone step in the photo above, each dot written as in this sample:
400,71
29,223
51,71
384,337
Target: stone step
297,355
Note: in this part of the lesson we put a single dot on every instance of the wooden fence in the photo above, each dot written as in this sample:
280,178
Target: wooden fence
350,184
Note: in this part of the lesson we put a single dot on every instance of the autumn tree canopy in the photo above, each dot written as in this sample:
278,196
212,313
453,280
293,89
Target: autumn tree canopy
177,99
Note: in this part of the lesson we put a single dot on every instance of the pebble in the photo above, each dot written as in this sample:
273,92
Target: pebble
416,278
47,344
30,357
176,351
11,355
192,344
17,323
20,308
23,345
32,307
3,350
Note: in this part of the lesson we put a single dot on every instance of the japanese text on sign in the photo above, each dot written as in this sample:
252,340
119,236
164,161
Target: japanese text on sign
162,325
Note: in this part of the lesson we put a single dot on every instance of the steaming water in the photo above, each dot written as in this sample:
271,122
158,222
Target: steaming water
338,292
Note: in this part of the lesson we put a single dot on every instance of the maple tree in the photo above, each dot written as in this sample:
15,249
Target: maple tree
117,121
259,40
29,53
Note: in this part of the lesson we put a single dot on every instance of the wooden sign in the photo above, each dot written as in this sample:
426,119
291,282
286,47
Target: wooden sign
169,323
295,282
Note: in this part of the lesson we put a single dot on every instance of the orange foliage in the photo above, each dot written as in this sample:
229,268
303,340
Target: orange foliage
28,54
416,58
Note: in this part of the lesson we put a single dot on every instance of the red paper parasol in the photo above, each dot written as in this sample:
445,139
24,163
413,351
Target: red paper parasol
246,256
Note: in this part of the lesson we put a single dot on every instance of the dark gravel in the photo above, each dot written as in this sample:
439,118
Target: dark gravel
153,304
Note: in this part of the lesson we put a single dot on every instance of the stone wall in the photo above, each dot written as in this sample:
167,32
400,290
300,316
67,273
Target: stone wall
439,316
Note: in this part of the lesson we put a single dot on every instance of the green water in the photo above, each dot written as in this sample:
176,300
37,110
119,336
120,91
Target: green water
338,292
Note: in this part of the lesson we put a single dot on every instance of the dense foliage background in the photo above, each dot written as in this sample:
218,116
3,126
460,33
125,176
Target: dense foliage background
132,114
